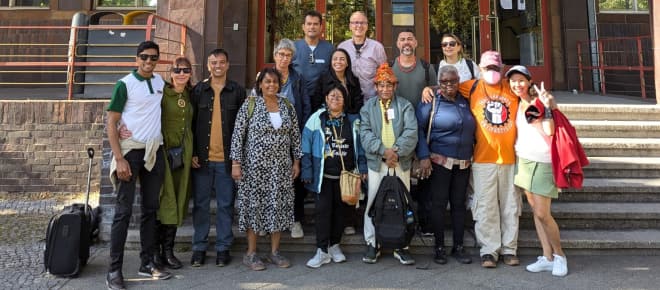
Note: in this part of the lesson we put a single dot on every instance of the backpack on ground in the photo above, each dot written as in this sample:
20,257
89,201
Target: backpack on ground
393,214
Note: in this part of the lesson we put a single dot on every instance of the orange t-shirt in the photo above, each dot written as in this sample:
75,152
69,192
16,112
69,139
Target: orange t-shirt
495,109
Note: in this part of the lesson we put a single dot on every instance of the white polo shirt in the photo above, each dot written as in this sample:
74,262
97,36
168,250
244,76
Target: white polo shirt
138,100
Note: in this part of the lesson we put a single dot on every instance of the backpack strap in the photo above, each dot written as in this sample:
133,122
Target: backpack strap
426,66
252,102
474,87
470,65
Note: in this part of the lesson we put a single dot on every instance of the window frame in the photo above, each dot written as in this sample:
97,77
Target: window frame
634,10
12,6
138,7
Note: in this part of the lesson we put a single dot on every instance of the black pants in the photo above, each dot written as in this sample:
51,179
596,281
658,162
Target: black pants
150,184
329,212
421,193
299,200
448,185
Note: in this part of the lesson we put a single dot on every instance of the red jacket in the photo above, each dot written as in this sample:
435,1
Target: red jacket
568,156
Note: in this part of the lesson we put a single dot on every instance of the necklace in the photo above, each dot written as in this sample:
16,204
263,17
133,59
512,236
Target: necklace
181,102
406,69
285,78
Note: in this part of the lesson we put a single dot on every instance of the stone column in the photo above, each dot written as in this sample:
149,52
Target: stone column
654,11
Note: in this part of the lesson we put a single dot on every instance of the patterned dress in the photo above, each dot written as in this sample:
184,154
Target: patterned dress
265,192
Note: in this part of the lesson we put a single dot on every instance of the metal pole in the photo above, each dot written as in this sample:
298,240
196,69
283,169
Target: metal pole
593,36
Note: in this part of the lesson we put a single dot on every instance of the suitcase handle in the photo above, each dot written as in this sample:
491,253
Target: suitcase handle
90,153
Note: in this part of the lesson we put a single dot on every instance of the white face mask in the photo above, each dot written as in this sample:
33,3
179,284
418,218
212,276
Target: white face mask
491,77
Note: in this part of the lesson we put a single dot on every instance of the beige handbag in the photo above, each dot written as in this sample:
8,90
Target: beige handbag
349,181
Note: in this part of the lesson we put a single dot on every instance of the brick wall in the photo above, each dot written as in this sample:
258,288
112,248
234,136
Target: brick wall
43,148
43,145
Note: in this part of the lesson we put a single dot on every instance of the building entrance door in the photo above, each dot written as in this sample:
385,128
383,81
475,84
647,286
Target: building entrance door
519,29
283,19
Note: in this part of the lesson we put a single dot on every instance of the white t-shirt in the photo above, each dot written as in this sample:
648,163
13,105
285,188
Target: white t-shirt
275,119
463,70
530,144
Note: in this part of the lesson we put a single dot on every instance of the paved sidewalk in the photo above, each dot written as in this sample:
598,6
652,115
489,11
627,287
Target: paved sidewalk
585,272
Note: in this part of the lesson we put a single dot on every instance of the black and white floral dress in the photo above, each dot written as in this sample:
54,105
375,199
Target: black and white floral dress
265,191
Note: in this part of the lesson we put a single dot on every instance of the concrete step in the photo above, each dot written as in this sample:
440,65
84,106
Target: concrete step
614,190
611,112
623,167
621,147
617,129
637,241
599,215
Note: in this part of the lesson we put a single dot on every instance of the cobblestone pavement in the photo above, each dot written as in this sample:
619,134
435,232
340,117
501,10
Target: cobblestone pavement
23,225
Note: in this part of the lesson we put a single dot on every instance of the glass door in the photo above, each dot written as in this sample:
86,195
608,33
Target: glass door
283,19
519,30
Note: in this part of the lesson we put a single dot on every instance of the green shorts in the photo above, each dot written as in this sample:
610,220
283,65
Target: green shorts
535,177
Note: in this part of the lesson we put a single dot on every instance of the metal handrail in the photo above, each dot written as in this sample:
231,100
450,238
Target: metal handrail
69,62
603,64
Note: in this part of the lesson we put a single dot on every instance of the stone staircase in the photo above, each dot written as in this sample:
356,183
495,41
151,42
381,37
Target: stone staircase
617,210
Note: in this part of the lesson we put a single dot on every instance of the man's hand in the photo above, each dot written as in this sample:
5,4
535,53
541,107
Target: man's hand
195,162
427,95
123,170
391,157
124,133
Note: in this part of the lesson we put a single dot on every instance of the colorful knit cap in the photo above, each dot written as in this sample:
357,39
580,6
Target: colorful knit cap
384,73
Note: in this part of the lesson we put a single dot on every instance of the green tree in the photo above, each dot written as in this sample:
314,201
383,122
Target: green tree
453,16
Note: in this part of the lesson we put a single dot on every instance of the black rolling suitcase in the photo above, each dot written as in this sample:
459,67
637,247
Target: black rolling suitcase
69,236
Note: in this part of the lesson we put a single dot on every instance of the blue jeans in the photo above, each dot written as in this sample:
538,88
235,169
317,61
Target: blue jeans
207,179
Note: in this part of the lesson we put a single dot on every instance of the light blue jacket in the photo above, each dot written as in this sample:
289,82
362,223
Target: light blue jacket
313,145
405,131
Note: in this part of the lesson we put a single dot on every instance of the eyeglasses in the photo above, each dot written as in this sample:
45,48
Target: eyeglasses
447,83
358,23
178,70
284,55
450,44
144,56
311,58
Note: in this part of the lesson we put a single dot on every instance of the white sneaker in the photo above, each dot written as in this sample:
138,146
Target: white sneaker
561,266
541,265
319,259
297,231
349,231
337,255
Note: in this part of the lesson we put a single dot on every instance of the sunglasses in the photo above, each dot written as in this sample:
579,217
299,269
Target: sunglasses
144,56
451,44
178,70
447,83
311,58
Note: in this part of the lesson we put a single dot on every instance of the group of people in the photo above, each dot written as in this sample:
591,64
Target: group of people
320,111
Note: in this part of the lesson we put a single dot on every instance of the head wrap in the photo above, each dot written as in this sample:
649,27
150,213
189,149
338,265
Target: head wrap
384,73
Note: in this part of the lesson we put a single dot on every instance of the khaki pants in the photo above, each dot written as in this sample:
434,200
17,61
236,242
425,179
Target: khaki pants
374,182
496,209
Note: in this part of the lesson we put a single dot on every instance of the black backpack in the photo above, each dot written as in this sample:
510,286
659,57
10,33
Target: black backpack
393,214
